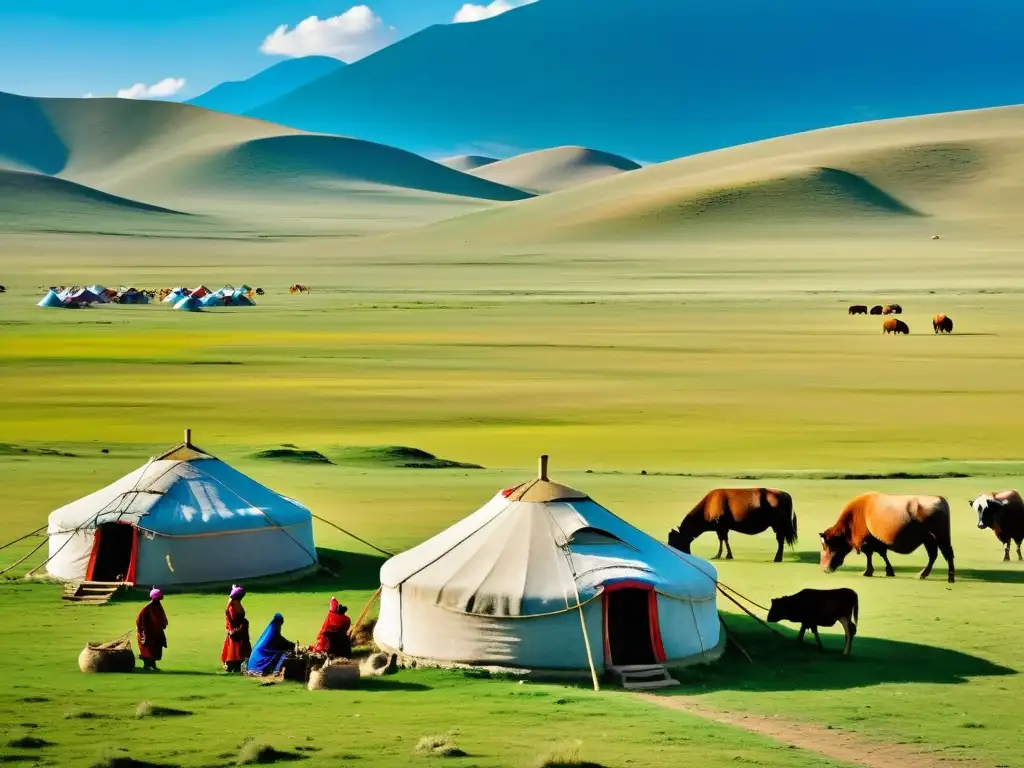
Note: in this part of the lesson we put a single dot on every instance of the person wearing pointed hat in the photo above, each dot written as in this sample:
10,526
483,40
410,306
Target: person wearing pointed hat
151,626
333,638
237,645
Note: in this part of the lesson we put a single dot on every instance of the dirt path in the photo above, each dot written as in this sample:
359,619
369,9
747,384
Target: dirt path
839,745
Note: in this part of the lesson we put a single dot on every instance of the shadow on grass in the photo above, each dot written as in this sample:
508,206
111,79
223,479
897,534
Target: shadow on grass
384,684
781,664
1013,574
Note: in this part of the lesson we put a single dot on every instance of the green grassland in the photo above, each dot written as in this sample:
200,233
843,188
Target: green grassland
699,363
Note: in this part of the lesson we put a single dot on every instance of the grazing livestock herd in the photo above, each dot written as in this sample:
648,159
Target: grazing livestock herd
870,524
940,323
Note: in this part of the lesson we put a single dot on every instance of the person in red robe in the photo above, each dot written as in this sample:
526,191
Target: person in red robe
333,638
151,624
237,645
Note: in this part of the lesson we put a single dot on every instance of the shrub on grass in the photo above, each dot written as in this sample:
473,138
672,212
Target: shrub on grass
439,746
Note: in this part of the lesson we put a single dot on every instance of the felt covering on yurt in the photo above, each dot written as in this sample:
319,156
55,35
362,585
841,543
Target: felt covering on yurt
506,587
51,299
189,304
196,519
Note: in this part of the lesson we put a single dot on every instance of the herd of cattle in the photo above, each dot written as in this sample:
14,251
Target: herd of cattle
870,524
940,323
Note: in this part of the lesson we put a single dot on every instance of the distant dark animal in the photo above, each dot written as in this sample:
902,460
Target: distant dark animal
892,309
858,309
3,289
877,522
892,325
942,324
744,510
259,291
813,608
876,310
1003,512
298,288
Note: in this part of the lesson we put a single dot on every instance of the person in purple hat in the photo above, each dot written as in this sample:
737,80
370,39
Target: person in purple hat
237,645
151,626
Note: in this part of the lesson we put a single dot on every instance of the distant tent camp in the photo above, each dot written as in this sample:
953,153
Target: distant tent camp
100,293
133,297
51,299
184,518
544,578
199,292
176,295
189,304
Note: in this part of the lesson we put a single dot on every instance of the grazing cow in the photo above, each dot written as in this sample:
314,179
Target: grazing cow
877,522
892,309
876,310
744,510
858,309
1003,512
942,324
813,608
892,325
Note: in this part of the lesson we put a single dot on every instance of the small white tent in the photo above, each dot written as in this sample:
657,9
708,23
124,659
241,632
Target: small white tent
184,518
544,578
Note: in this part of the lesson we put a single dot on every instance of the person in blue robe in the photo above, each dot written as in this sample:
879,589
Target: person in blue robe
268,653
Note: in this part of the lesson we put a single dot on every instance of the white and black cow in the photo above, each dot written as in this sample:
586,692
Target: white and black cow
1003,512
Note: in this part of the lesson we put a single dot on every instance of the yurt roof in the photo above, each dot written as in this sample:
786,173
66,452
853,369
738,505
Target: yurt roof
184,491
537,549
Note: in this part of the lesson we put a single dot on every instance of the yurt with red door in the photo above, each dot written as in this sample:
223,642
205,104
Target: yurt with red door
184,518
542,577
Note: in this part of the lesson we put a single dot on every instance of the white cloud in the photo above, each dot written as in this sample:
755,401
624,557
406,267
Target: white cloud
356,33
160,90
88,95
472,12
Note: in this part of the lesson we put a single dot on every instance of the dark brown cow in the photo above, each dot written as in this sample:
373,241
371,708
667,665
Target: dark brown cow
813,608
1003,512
892,325
877,522
745,510
892,309
876,310
857,309
942,324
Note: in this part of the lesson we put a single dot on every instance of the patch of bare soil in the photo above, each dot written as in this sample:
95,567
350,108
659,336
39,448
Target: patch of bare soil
848,747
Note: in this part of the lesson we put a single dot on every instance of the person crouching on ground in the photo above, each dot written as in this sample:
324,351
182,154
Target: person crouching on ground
237,646
150,624
333,638
268,654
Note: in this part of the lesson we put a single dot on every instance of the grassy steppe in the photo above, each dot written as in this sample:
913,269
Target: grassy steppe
699,364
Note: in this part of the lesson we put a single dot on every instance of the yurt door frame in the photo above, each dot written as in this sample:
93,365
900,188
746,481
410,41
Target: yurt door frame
632,602
113,541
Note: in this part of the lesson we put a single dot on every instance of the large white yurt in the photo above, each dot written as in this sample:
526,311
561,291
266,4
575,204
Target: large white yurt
184,518
542,577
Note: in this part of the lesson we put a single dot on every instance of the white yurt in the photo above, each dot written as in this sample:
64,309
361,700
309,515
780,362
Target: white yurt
542,577
183,518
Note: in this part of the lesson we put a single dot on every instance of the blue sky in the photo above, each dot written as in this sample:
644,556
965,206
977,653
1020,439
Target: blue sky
78,47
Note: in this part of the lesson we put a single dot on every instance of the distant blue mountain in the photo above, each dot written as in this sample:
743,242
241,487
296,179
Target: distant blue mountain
656,79
239,97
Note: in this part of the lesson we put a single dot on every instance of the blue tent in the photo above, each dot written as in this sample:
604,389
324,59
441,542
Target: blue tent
189,304
175,296
51,299
239,299
212,300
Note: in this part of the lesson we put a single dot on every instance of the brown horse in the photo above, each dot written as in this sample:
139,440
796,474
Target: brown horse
874,523
298,288
942,324
744,510
892,325
892,309
857,309
877,309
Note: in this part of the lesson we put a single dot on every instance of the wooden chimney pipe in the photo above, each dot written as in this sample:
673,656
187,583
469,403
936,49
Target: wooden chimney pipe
544,467
188,438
